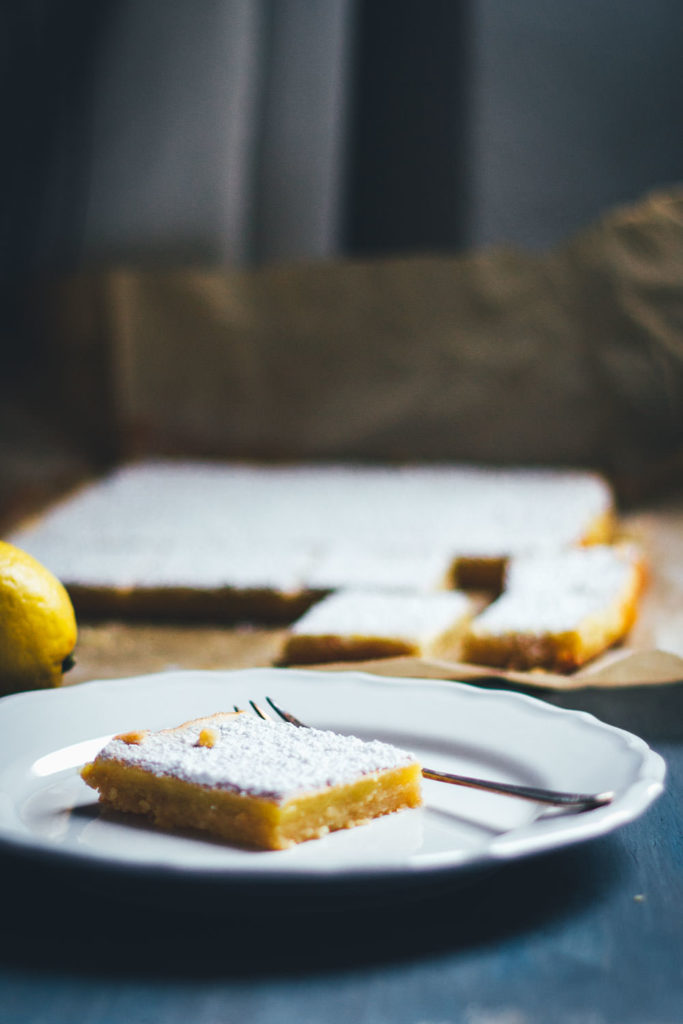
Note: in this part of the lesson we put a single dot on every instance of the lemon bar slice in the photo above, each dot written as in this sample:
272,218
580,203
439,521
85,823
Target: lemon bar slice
352,625
251,782
558,610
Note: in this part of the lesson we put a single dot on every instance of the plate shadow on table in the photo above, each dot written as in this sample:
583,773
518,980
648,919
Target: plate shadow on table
56,920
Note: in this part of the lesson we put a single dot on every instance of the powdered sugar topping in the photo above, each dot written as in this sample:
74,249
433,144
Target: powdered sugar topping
272,760
405,616
159,524
556,592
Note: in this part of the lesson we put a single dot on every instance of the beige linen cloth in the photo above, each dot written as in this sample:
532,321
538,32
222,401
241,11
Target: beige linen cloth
570,357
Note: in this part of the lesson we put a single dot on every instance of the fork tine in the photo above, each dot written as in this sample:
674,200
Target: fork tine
285,714
260,712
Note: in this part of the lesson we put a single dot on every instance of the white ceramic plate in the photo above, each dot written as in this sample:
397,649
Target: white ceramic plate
46,809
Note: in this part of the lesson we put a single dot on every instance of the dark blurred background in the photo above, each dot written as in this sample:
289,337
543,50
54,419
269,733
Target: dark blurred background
243,131
246,132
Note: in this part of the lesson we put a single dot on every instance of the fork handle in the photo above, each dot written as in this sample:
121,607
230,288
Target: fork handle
577,801
574,801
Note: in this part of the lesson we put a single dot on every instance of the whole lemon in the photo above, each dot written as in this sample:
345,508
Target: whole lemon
37,623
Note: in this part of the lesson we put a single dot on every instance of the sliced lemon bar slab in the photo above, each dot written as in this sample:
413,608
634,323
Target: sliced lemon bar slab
239,541
558,610
354,625
251,782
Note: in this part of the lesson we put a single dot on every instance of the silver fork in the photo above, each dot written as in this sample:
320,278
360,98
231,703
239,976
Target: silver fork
576,802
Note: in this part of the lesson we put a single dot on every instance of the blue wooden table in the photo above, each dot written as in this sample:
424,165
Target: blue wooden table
589,935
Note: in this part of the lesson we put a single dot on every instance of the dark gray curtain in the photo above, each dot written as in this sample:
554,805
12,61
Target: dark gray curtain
243,132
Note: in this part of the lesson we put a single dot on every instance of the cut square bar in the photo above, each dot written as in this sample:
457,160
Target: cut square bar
252,782
558,610
362,624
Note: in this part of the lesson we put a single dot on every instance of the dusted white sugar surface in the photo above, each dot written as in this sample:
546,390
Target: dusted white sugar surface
348,566
260,758
214,524
555,593
412,617
205,563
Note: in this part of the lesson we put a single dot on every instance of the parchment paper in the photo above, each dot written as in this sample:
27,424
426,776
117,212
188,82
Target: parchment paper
615,669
